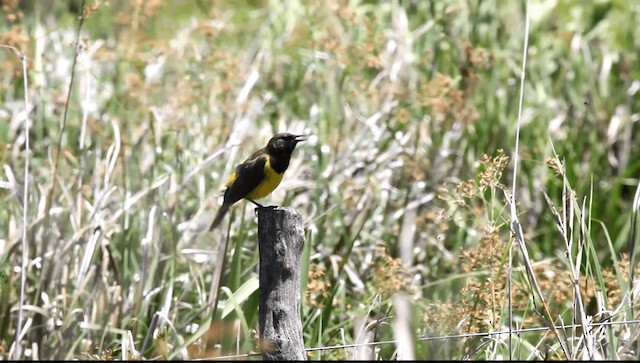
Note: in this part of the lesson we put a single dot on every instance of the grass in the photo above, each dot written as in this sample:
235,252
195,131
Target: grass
403,186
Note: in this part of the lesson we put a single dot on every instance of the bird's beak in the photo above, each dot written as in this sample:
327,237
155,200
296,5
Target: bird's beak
299,138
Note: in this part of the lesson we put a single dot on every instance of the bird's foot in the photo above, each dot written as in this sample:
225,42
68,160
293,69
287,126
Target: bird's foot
256,203
260,206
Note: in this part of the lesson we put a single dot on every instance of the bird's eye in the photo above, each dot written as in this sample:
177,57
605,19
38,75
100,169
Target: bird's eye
280,143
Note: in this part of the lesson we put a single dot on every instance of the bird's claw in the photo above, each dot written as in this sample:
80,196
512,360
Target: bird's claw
257,209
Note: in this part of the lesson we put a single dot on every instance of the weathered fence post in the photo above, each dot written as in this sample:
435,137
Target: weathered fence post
280,240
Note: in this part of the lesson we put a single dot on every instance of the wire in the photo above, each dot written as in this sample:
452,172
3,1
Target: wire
445,337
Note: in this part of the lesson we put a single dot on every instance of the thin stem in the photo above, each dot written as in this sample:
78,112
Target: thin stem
25,206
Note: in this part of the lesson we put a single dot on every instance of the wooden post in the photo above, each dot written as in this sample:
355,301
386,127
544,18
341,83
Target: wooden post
280,240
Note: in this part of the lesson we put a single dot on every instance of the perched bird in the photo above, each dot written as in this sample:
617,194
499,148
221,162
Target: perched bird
260,174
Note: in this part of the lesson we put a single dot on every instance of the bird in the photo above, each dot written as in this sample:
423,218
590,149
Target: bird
260,174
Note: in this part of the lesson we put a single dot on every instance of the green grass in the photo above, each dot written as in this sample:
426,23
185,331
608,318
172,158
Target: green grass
403,99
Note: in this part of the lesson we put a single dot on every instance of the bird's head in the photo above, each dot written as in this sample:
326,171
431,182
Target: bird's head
284,143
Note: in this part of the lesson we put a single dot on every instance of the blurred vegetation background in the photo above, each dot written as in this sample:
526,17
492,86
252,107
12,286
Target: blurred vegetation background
139,110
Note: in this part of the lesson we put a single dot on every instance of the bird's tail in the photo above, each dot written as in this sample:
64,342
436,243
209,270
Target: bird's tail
223,210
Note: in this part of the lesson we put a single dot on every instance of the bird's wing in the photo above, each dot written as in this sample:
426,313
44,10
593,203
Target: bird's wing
245,178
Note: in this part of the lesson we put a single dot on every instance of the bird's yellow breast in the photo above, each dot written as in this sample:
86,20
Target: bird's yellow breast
271,181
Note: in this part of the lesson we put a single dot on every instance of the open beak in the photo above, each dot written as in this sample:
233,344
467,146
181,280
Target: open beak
299,138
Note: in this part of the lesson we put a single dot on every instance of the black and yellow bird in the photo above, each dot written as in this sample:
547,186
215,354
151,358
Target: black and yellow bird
260,174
